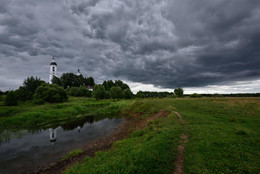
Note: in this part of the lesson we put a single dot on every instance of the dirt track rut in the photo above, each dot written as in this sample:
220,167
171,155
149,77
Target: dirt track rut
184,139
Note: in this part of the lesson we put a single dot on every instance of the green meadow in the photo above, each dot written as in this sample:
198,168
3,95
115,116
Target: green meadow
223,133
224,137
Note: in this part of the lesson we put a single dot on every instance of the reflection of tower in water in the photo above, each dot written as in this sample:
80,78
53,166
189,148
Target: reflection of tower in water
79,128
53,135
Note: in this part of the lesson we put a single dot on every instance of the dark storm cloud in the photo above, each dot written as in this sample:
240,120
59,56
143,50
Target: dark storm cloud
178,43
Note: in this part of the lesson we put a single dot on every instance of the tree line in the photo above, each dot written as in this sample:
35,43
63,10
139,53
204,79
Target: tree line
36,90
40,92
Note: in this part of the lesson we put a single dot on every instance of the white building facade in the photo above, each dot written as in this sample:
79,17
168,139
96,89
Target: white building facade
53,70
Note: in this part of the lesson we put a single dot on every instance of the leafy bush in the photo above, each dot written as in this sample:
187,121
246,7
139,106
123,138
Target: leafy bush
22,94
178,92
195,95
107,95
118,83
217,95
128,94
78,91
31,84
116,92
51,93
148,94
72,80
56,80
10,99
99,92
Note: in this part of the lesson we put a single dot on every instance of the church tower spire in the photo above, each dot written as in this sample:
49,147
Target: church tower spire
53,69
78,73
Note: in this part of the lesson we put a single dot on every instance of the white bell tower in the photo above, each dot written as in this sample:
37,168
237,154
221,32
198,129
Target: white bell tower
53,69
78,73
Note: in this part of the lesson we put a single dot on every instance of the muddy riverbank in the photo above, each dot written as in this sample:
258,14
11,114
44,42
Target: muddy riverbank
130,124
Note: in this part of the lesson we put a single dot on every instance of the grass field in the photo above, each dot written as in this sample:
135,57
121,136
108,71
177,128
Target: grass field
224,137
224,133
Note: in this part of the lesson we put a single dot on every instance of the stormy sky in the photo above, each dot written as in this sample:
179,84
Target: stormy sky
204,46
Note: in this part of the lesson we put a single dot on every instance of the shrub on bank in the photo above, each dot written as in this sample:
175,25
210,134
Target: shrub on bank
10,99
78,91
99,92
107,95
22,94
195,95
128,94
116,92
51,93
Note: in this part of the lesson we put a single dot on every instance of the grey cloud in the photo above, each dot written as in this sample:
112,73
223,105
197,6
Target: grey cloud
179,43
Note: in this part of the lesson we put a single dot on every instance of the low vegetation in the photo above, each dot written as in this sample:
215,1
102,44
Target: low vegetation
11,99
149,150
79,92
223,138
50,93
72,154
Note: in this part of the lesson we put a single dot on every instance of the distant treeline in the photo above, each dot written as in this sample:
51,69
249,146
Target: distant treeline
229,95
148,94
36,90
39,92
68,80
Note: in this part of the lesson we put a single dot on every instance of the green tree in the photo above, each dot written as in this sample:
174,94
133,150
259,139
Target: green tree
22,94
178,92
121,84
31,84
78,91
107,95
195,95
51,93
56,80
108,84
128,94
10,99
79,80
98,92
116,92
105,85
89,81
72,80
68,80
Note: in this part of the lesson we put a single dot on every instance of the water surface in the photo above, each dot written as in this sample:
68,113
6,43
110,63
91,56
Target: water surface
42,147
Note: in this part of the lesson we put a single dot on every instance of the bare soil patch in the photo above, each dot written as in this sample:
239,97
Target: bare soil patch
184,139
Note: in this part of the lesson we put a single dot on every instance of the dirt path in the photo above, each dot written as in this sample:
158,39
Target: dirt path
184,139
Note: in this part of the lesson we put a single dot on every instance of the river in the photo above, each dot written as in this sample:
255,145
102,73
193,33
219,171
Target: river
42,147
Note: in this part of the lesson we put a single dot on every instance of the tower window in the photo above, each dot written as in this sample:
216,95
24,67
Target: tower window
53,68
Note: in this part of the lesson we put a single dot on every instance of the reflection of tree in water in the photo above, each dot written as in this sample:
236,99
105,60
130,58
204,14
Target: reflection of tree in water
4,140
7,135
77,123
34,131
